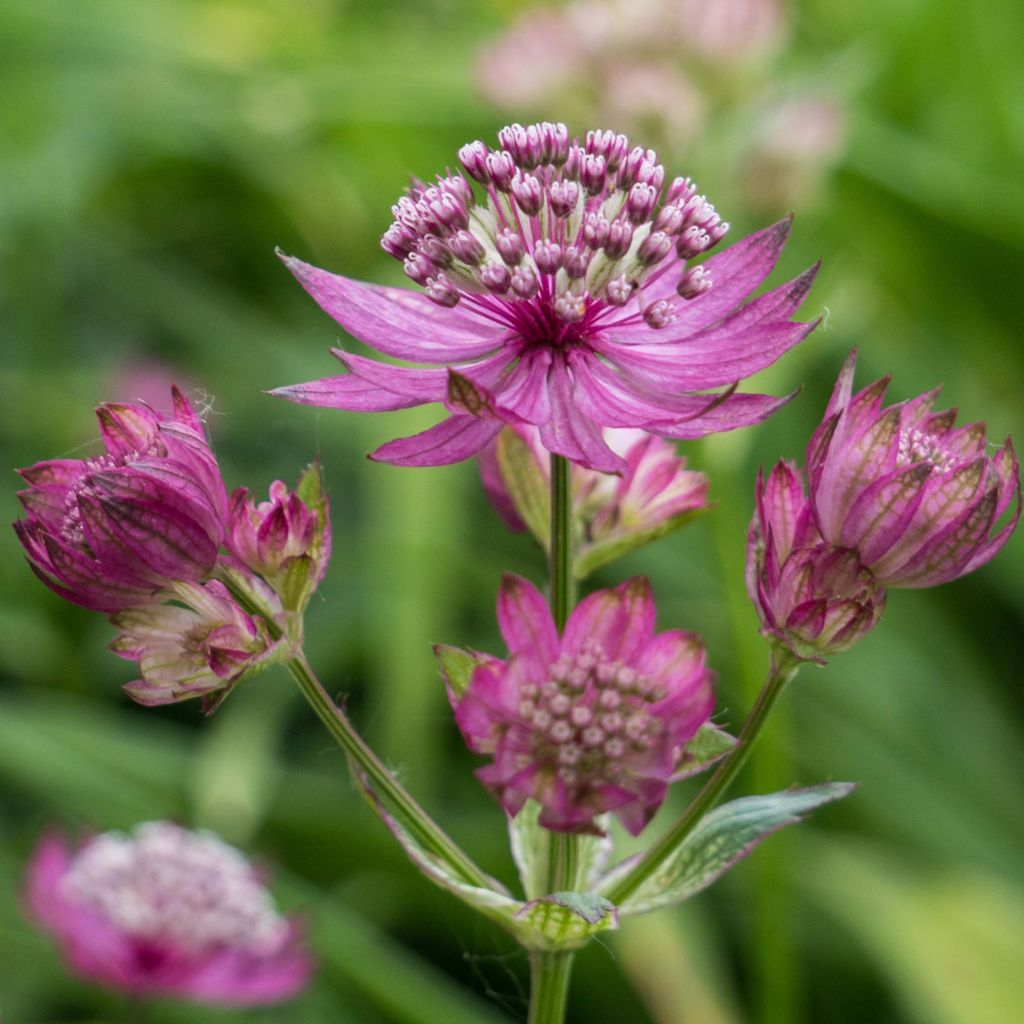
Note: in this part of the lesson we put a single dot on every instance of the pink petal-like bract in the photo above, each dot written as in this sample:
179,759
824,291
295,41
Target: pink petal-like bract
589,722
109,531
561,293
167,912
921,500
813,597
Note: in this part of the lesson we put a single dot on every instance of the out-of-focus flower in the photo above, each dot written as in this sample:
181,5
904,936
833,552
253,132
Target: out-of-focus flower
654,96
110,531
814,597
167,912
612,514
565,300
918,498
200,647
591,721
286,540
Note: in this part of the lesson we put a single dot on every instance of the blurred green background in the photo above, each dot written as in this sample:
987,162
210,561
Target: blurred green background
152,155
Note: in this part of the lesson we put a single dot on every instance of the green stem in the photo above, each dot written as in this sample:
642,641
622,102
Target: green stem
549,987
422,827
783,668
550,971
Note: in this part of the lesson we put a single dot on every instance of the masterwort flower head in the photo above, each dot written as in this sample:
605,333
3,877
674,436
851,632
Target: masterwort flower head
200,646
813,597
167,912
591,721
920,500
562,295
107,532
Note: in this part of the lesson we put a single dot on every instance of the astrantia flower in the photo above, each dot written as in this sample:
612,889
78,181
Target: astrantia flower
109,531
200,647
591,721
167,912
562,297
919,499
815,598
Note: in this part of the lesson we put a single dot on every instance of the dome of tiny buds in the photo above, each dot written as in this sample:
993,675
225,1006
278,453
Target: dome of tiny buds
545,195
590,722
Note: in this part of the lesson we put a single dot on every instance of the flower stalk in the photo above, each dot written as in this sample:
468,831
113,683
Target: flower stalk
783,668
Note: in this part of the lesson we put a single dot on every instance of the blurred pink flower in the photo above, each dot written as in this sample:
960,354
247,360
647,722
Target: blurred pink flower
564,300
167,912
109,531
817,599
590,721
920,500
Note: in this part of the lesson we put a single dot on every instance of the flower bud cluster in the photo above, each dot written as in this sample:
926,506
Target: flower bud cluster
563,224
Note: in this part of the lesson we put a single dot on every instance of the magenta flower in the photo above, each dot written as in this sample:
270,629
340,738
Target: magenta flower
110,531
167,912
589,722
817,599
920,500
565,298
200,647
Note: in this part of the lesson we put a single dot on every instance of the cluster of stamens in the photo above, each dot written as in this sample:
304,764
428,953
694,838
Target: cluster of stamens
590,717
167,884
916,446
567,225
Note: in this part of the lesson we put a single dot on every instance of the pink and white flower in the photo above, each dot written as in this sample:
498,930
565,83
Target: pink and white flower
167,912
565,298
591,721
110,531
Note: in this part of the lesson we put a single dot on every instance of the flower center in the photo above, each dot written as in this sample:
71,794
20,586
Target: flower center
167,884
917,446
590,717
564,231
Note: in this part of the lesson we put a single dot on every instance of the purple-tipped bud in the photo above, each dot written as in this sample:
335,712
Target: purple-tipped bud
419,268
654,248
528,193
524,281
921,500
496,278
595,229
670,219
563,196
501,168
457,187
467,247
406,213
109,531
548,257
620,236
436,251
814,598
442,292
619,290
692,242
680,190
510,246
641,201
593,171
659,314
693,283
473,157
398,241
569,309
576,262
573,163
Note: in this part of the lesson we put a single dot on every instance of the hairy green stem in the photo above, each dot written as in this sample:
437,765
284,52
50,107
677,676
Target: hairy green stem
549,987
783,668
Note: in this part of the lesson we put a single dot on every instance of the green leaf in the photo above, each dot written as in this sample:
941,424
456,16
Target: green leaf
722,838
597,553
526,484
567,920
531,843
457,665
710,744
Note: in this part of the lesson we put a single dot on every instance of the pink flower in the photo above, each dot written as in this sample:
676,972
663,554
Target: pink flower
591,721
918,499
167,912
109,531
200,647
817,599
565,298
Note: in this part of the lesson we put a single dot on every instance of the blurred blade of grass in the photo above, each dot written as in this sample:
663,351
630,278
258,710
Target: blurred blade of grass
949,940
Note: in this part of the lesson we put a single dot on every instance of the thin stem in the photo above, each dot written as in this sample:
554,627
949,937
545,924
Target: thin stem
783,668
423,828
550,971
549,987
